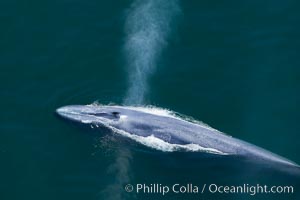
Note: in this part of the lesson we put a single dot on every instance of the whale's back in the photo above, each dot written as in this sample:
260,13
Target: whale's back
175,130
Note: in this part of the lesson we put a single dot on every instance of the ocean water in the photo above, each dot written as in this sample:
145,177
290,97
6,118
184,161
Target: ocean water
233,65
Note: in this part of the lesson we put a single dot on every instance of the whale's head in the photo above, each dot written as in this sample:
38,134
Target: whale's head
92,114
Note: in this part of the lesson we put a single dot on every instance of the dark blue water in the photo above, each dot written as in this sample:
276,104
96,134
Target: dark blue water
233,65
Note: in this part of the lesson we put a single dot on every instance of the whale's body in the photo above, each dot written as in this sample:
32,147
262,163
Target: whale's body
164,131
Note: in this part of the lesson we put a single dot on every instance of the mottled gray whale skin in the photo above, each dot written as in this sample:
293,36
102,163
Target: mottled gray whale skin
141,124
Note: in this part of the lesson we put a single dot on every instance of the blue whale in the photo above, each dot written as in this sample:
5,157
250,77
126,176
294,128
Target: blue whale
163,130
